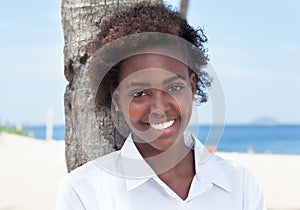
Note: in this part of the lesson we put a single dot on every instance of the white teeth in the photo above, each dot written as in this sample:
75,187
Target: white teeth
161,126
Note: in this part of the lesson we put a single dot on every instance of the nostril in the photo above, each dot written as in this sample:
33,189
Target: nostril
157,114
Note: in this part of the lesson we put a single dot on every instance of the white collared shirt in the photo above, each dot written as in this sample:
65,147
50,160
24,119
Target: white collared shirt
122,180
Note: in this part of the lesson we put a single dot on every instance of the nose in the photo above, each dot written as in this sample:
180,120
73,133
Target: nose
157,114
160,103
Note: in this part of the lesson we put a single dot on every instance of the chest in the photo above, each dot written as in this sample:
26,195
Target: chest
179,185
152,195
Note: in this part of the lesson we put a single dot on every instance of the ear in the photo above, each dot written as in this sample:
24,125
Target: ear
193,83
115,98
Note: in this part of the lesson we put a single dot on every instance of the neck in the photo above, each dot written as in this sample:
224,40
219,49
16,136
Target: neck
177,159
185,168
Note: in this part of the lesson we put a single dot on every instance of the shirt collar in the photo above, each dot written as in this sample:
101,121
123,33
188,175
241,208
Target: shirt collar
135,168
137,171
207,166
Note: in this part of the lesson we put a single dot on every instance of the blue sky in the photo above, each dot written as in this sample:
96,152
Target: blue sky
254,47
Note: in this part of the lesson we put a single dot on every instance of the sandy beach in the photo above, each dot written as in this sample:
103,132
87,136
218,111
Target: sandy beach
278,175
31,171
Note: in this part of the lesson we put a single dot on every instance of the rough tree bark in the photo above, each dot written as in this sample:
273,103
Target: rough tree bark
87,136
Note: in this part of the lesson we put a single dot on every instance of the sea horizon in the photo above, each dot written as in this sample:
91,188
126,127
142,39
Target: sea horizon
271,139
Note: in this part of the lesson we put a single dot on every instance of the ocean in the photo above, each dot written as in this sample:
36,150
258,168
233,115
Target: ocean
275,139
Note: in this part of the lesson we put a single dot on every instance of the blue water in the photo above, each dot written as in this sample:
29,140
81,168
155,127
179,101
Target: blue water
39,132
279,139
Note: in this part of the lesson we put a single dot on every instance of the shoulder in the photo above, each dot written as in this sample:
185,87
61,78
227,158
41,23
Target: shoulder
229,174
82,187
92,169
241,182
89,175
233,171
81,173
228,165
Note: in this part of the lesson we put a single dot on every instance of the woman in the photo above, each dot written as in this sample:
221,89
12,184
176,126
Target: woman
153,87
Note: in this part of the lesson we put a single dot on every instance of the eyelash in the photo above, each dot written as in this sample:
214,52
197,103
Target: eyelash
138,93
175,88
141,93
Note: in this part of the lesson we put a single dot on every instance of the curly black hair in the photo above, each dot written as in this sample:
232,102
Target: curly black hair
148,17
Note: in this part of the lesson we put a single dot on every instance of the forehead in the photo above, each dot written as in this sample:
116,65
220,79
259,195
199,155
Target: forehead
151,66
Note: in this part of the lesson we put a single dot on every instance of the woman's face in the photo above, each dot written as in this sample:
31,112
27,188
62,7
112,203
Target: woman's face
155,95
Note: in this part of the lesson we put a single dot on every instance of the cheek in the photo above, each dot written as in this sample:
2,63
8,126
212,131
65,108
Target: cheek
185,105
184,101
136,112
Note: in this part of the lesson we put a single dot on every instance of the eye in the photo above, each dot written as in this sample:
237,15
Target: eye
175,88
138,93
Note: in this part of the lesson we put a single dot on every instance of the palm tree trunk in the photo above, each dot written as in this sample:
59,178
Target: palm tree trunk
184,7
87,136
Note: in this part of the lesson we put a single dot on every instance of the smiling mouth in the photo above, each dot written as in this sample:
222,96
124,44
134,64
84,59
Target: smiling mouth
162,126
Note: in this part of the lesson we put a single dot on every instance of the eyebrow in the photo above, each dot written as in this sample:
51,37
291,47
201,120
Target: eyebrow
146,84
138,84
171,79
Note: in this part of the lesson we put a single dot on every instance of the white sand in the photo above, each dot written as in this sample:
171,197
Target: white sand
30,172
278,175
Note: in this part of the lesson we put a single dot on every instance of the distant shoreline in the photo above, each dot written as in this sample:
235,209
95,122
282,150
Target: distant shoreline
242,138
